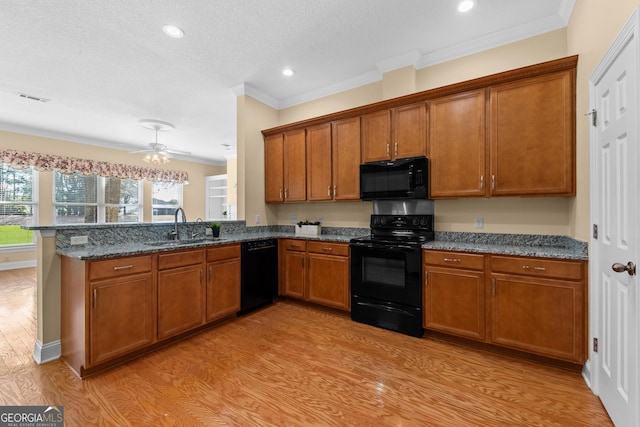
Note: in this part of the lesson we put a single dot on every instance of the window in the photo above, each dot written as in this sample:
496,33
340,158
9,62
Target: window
80,199
167,197
18,205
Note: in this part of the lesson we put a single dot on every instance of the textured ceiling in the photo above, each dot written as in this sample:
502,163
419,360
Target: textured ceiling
105,64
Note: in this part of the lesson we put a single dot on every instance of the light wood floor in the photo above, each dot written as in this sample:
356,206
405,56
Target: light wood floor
292,365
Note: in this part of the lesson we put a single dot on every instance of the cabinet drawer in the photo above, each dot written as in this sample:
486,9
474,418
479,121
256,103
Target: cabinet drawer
537,267
119,267
454,259
224,252
295,245
179,259
328,248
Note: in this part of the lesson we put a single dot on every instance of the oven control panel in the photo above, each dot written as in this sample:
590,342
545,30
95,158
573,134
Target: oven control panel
408,222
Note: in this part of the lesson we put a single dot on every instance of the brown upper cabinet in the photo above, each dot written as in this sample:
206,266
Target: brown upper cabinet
531,132
333,161
274,169
395,133
285,170
506,134
457,145
319,181
529,149
346,159
319,163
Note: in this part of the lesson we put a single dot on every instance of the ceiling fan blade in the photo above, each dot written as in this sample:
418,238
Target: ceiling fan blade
179,152
141,151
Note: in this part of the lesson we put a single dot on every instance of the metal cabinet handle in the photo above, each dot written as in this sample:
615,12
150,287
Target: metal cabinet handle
630,268
95,297
482,182
387,149
452,260
281,194
327,249
528,267
396,149
122,267
334,191
286,193
493,182
329,190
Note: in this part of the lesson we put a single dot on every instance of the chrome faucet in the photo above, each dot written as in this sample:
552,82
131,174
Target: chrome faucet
176,235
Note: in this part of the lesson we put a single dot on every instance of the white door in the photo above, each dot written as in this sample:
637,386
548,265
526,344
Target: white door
615,193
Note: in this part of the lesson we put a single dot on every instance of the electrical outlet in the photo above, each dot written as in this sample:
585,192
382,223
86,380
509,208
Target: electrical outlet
479,222
208,232
79,240
257,219
294,219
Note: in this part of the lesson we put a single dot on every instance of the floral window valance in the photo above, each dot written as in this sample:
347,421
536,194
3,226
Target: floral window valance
49,162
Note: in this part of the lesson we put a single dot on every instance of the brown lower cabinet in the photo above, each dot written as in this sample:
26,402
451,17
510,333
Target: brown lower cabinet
181,299
117,308
223,282
536,305
317,272
454,296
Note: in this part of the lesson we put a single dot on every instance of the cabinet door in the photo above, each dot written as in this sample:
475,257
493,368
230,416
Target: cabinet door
329,280
346,159
122,317
295,182
454,302
409,131
180,300
457,146
319,183
223,288
294,274
274,169
532,133
541,316
376,136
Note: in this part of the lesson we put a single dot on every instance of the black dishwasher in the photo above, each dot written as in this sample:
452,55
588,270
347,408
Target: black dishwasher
259,283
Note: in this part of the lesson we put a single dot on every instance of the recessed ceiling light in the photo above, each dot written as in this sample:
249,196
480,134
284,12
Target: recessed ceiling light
173,31
466,5
288,72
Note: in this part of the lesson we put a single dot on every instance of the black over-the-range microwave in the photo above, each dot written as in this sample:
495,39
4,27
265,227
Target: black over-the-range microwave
399,179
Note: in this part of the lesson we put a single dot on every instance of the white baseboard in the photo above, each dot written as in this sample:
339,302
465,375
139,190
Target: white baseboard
17,264
47,352
586,374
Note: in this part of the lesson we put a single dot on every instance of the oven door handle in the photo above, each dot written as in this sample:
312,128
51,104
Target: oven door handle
394,248
384,307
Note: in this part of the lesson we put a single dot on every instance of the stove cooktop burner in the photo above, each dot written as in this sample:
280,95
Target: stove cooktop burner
399,229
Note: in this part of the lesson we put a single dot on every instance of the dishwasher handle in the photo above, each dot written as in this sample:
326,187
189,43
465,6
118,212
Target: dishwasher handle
261,248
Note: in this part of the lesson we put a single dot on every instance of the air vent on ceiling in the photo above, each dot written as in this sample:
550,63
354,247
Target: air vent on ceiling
33,98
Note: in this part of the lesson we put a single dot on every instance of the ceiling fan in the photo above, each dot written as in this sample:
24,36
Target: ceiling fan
158,153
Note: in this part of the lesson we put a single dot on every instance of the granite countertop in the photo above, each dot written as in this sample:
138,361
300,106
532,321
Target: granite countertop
559,247
90,252
142,239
